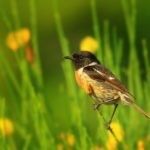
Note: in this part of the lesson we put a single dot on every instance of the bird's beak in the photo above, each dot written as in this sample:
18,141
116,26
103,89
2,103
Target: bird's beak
68,57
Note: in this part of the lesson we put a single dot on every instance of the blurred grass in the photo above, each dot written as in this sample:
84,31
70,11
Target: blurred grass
40,113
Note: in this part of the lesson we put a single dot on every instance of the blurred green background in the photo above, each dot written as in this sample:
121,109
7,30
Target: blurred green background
77,21
54,110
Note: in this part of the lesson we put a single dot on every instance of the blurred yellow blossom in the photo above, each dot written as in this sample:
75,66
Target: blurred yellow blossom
70,139
140,145
18,38
60,146
119,133
6,127
89,44
111,144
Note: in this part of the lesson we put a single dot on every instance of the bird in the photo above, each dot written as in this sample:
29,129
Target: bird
100,83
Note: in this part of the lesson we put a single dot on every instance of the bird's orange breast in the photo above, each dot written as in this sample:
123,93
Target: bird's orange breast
82,81
94,88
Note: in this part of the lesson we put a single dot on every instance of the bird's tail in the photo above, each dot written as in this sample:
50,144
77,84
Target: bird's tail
140,110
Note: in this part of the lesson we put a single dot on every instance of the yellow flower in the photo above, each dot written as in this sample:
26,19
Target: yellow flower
59,147
118,131
70,139
18,38
140,145
89,44
6,127
111,144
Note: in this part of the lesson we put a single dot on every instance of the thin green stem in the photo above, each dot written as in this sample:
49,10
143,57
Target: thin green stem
33,20
96,28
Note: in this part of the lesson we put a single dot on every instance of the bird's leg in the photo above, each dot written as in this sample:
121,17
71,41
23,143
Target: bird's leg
96,106
108,127
109,122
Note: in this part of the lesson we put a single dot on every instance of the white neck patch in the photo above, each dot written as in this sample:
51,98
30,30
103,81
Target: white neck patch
92,64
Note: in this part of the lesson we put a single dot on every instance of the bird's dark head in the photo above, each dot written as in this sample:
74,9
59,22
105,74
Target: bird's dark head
82,59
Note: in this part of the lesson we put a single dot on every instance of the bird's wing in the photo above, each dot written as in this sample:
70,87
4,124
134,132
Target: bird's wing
102,74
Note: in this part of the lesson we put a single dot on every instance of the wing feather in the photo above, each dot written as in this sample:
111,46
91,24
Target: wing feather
102,74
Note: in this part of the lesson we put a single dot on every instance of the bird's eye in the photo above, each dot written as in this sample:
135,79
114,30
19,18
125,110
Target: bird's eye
77,56
80,57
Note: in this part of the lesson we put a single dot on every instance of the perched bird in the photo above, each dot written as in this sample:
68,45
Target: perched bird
100,83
